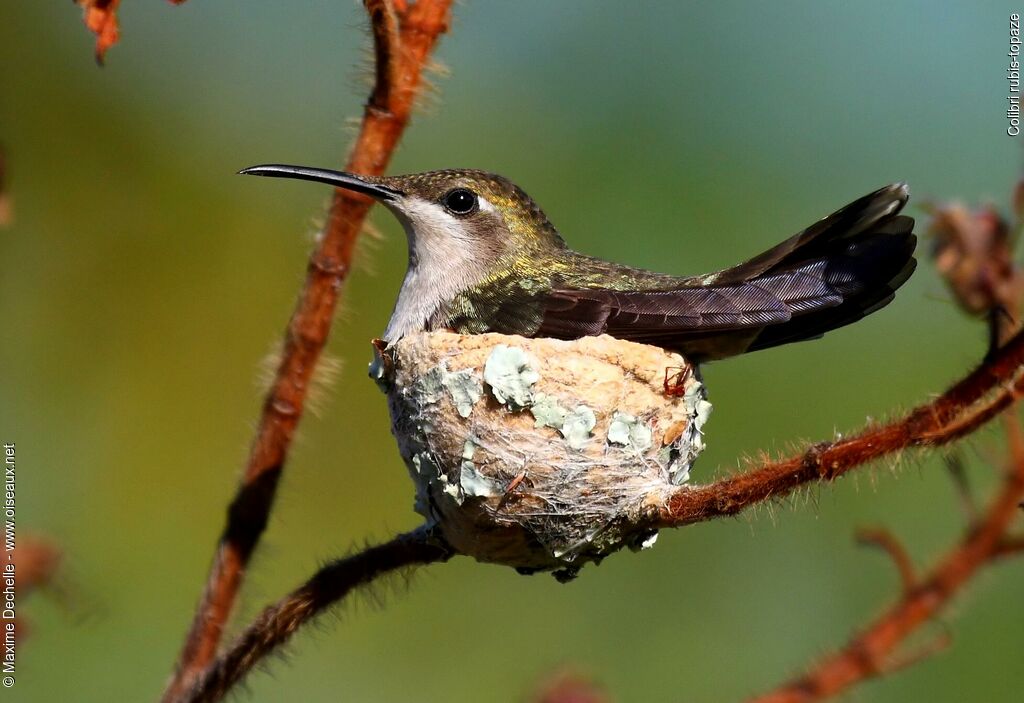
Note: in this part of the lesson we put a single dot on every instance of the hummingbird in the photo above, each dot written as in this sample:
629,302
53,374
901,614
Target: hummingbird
483,257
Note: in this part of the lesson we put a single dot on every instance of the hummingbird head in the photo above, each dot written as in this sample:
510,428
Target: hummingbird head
469,216
465,229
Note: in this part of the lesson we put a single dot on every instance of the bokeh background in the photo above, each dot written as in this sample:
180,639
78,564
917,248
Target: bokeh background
142,284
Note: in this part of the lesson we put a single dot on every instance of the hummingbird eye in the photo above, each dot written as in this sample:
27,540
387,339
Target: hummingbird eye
460,201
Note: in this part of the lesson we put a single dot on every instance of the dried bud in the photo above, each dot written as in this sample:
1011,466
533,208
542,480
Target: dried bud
542,454
100,17
973,251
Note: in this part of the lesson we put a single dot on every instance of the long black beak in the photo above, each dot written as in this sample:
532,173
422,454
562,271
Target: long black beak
338,179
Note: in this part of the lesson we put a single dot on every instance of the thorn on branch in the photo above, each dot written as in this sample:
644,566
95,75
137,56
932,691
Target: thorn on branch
883,539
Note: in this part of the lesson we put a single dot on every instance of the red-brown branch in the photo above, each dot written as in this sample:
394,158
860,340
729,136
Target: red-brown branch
279,622
874,651
872,656
975,400
975,256
403,42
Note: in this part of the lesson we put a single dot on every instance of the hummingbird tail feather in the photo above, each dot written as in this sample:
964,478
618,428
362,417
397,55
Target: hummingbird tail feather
841,269
835,272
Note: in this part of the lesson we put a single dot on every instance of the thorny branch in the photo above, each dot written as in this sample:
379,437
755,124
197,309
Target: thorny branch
974,253
404,36
279,622
965,407
873,652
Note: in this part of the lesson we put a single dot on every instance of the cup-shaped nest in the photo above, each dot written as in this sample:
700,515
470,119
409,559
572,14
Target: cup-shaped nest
542,454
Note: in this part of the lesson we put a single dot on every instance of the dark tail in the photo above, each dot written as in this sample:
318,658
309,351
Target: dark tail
842,268
833,273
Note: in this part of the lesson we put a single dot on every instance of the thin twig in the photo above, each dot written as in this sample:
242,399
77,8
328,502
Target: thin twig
885,540
403,42
279,622
954,414
873,652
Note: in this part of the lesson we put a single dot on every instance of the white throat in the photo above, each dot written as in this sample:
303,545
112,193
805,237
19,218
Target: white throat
443,262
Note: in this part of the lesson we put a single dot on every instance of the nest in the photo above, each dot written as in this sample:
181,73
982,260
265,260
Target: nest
542,454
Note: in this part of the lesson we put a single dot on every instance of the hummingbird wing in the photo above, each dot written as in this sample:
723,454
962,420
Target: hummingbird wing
835,272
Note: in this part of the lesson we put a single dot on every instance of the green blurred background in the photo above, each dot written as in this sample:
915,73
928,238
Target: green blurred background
142,284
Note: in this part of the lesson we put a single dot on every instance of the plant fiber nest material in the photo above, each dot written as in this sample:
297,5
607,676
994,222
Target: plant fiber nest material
542,454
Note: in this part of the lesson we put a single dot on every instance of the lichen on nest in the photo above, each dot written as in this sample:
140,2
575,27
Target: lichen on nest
541,454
